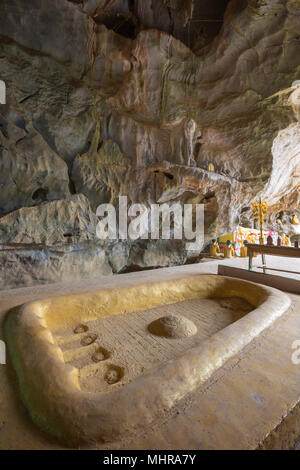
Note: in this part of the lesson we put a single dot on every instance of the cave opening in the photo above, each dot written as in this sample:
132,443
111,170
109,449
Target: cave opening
3,128
168,175
40,194
205,24
199,31
123,25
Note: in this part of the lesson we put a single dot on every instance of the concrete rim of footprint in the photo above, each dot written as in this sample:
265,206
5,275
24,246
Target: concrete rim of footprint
75,416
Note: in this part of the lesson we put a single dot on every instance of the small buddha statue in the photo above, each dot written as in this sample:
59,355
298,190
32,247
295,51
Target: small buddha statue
214,249
285,240
229,250
295,220
270,240
244,249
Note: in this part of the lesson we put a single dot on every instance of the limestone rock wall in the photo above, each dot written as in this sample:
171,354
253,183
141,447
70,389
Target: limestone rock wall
144,99
50,222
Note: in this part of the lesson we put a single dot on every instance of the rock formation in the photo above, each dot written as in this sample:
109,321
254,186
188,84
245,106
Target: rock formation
143,98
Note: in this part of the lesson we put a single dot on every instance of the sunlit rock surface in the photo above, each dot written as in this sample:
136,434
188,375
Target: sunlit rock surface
50,222
143,98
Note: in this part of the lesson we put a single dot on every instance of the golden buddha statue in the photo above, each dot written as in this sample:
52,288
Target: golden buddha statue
244,250
229,250
214,249
285,240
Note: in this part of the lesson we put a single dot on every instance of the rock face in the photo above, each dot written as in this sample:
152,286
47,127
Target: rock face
27,265
50,223
162,101
30,172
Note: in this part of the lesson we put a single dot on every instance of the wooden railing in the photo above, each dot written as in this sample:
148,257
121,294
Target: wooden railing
263,250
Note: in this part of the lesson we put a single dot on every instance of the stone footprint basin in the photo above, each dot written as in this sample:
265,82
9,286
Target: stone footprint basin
97,366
